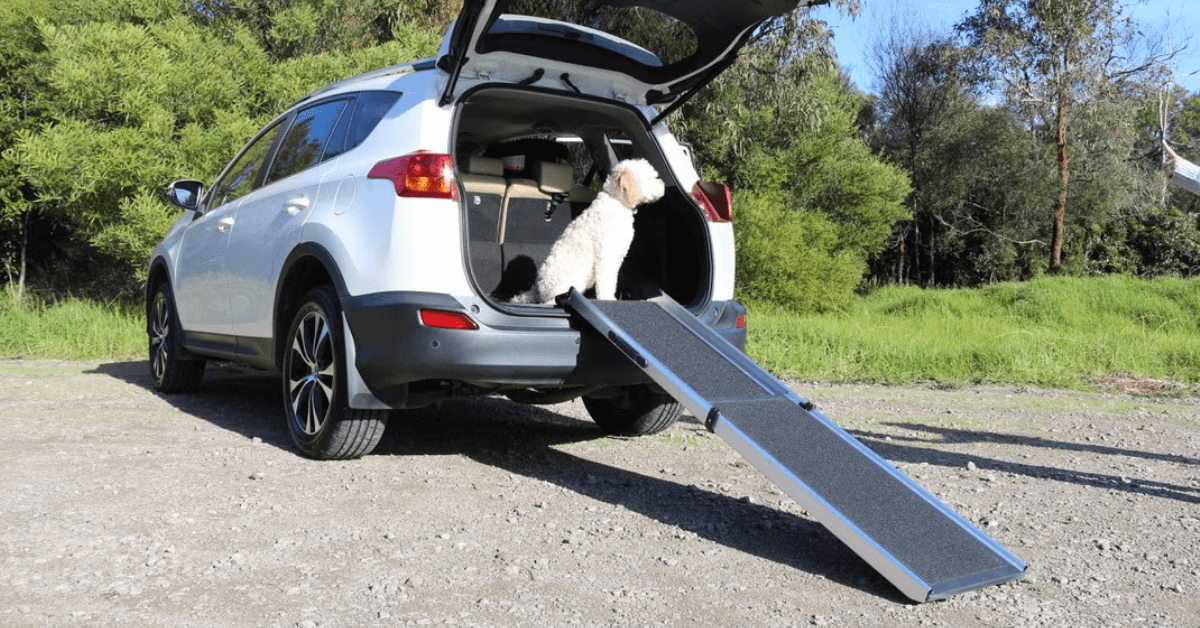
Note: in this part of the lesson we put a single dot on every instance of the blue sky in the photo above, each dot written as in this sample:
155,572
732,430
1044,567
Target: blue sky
1178,20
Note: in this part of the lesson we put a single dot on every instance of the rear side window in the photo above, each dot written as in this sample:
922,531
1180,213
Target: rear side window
355,126
304,144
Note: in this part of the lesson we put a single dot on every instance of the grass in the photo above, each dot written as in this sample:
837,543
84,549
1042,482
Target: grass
1058,332
69,328
1055,332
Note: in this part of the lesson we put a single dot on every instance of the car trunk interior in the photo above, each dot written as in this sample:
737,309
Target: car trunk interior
530,160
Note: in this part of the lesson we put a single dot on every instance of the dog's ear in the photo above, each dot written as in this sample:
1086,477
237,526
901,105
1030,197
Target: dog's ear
631,190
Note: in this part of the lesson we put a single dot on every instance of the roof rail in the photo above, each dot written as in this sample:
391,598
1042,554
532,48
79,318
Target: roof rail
397,70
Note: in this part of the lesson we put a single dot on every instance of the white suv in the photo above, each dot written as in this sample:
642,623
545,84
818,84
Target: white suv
365,243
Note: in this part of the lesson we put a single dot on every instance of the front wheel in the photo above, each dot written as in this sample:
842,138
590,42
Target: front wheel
635,410
171,373
314,386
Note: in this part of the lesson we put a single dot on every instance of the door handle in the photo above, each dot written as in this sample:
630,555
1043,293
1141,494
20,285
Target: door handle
296,205
225,224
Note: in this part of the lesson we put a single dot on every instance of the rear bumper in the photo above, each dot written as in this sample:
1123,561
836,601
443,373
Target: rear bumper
394,350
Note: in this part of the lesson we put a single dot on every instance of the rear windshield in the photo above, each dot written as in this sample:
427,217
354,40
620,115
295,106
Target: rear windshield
666,38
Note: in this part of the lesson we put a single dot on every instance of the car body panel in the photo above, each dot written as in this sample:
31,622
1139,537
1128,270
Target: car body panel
275,213
385,255
200,284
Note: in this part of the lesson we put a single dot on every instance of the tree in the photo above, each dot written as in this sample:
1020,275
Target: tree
920,88
1048,58
812,202
287,29
20,110
977,175
132,95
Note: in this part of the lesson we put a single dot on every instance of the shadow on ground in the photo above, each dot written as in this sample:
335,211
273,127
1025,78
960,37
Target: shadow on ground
924,450
239,399
527,440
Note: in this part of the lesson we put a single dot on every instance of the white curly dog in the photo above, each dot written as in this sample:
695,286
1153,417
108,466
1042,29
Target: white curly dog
590,250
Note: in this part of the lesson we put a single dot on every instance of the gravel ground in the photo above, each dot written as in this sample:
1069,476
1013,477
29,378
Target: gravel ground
125,508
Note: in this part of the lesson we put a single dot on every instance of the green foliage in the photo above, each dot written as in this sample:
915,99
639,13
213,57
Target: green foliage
1053,331
790,256
1058,63
1183,132
289,29
134,96
977,129
814,202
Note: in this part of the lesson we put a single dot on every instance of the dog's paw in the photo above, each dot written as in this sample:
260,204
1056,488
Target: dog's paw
524,298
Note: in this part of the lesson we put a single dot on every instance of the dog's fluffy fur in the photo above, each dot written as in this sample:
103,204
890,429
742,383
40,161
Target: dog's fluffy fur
590,250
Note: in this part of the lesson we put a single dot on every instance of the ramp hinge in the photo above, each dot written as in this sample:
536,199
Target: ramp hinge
627,350
710,422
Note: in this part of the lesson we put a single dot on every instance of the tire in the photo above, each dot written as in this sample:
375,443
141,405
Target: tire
169,369
321,423
634,411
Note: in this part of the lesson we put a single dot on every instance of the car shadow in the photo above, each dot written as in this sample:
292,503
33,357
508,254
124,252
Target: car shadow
527,441
236,398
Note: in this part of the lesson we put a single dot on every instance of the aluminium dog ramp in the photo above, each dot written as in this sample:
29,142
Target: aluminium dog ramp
919,544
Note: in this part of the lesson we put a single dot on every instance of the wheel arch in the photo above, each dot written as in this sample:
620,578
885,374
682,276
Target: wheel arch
308,265
157,275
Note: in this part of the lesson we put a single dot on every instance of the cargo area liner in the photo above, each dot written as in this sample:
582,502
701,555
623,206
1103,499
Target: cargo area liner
528,163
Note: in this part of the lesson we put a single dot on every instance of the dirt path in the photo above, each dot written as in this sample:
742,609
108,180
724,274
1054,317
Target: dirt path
124,508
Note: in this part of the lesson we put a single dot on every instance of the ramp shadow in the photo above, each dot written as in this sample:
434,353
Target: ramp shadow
525,441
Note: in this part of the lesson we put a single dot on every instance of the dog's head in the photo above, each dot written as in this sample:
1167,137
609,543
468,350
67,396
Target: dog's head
633,182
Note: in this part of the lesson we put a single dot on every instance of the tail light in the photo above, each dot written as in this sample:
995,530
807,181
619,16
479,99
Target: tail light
419,175
445,319
715,199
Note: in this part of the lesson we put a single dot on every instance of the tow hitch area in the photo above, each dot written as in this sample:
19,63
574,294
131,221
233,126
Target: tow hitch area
922,546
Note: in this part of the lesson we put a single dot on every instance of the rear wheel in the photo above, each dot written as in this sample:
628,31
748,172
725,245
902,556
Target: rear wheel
314,385
635,410
170,371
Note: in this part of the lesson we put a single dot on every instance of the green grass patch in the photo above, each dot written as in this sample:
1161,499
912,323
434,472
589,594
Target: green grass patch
1055,331
69,328
1052,332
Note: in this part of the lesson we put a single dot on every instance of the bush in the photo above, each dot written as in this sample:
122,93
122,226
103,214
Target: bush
788,256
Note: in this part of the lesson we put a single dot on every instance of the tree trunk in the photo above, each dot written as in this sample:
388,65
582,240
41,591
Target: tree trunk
1060,214
24,256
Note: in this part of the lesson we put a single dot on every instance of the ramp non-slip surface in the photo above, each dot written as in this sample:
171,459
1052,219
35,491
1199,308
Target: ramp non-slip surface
901,521
914,540
687,355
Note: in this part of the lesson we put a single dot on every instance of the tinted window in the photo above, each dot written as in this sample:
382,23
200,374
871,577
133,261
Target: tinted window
305,140
242,176
369,109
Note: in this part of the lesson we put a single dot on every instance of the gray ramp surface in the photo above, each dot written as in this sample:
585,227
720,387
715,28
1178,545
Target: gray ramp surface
918,543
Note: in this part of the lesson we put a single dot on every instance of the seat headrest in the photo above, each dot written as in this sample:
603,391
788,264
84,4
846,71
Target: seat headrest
478,164
553,178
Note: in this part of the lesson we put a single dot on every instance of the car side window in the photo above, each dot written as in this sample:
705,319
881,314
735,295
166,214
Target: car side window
243,174
369,109
304,143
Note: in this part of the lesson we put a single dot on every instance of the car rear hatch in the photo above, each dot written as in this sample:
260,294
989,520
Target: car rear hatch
642,52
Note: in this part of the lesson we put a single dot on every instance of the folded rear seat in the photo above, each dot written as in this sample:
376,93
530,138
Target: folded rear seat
484,187
535,212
